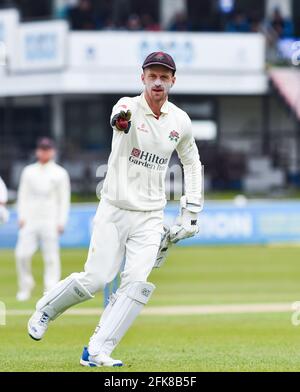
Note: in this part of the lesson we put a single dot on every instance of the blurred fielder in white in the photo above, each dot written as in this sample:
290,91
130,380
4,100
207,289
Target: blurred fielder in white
4,215
129,220
43,208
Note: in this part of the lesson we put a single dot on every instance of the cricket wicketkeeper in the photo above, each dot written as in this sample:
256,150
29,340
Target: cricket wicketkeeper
129,220
43,208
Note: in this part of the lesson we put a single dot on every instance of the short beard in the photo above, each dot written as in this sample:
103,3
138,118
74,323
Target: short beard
166,87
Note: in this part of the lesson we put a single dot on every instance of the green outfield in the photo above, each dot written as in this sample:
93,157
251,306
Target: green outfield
224,341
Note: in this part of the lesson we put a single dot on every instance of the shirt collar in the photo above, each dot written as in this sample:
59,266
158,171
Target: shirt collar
164,109
45,164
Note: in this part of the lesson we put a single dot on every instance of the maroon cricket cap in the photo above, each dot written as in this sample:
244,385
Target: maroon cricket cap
45,143
160,58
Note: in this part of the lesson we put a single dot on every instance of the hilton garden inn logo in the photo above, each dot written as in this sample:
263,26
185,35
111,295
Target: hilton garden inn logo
147,159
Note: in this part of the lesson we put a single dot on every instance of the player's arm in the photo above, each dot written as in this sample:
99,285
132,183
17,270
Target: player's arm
23,198
121,116
64,196
191,204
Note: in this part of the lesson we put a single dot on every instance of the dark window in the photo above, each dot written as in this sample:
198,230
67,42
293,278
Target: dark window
23,125
146,7
30,9
250,7
203,15
87,125
296,13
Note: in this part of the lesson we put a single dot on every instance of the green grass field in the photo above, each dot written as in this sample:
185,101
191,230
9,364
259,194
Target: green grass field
203,342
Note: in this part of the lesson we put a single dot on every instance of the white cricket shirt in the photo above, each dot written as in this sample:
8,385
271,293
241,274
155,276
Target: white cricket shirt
44,194
139,160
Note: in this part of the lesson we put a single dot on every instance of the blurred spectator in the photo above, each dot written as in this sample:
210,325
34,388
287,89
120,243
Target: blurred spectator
82,16
256,25
103,8
275,29
109,24
120,13
238,23
149,24
134,23
62,9
281,27
180,23
130,15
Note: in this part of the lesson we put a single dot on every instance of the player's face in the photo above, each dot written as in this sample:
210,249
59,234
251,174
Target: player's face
158,81
45,155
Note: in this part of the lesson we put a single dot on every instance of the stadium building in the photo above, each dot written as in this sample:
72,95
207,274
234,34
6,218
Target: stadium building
63,68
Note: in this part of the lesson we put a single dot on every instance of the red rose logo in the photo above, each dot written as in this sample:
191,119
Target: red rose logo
174,136
136,152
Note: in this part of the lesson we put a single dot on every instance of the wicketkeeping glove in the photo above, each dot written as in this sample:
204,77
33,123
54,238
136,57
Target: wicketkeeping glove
163,249
122,121
186,223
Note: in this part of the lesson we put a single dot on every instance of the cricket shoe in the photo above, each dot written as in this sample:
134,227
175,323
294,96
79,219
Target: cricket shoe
98,360
23,296
38,325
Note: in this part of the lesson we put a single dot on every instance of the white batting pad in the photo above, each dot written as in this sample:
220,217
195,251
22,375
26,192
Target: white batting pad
65,294
124,310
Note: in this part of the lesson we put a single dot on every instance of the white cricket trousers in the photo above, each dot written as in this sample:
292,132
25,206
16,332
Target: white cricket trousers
31,237
117,235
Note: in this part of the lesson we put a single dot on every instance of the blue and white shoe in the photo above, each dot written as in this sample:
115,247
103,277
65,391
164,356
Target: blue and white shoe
98,360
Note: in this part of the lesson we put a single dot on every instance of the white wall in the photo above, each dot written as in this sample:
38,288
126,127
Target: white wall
48,59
